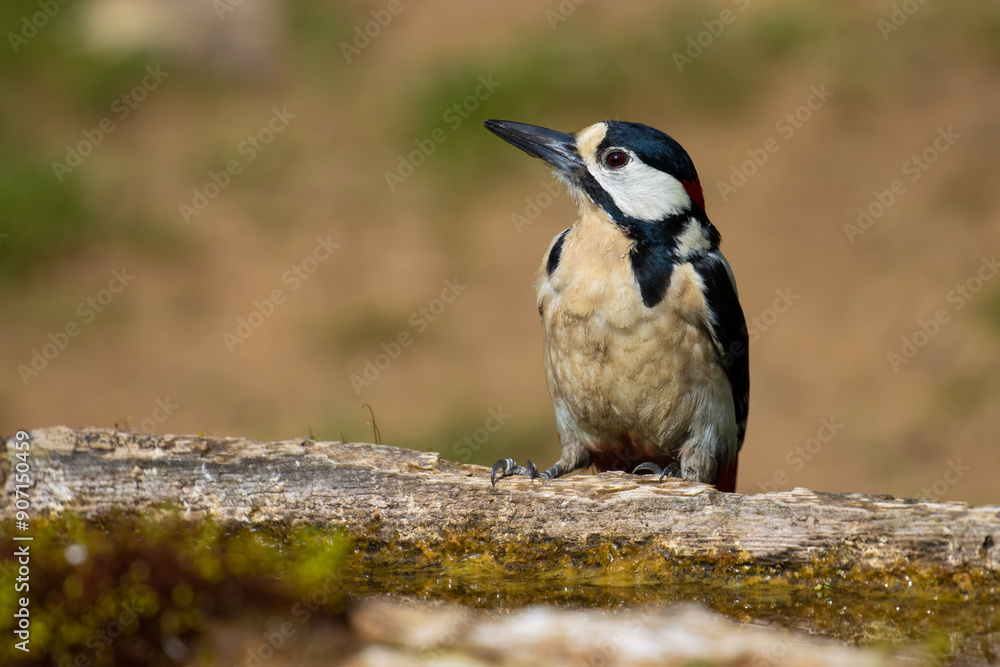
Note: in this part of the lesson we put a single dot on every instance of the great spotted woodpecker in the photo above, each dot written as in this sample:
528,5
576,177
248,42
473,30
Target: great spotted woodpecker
645,343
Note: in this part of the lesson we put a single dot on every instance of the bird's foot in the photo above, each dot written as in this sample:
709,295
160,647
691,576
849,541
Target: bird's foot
672,470
508,467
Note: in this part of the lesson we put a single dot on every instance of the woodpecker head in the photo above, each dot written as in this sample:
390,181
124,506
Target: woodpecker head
634,172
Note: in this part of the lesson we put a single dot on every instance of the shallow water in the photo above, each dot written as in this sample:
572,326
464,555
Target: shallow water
867,616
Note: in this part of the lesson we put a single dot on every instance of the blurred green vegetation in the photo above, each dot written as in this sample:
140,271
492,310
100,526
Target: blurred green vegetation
472,434
477,436
317,28
45,219
559,77
47,215
991,309
569,70
170,577
564,78
357,334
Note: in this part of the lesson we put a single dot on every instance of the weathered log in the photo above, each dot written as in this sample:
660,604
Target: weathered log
856,567
426,509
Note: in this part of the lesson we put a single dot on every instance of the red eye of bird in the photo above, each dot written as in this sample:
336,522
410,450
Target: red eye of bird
615,159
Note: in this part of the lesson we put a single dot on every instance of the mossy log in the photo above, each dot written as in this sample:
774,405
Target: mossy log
865,569
414,509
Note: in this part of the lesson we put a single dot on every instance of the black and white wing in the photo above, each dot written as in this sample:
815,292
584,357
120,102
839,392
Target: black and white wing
729,330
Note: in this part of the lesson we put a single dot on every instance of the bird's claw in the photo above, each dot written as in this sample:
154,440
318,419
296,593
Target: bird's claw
508,467
672,470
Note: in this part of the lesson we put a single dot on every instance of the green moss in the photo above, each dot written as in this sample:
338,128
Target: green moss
147,578
158,576
833,594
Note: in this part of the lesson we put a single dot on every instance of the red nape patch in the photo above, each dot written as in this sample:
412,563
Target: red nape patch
693,189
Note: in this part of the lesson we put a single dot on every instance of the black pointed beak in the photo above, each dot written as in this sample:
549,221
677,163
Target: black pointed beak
556,148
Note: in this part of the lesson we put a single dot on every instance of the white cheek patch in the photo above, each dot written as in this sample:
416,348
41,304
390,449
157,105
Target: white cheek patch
642,192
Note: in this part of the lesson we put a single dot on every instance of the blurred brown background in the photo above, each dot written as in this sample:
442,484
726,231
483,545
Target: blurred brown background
201,149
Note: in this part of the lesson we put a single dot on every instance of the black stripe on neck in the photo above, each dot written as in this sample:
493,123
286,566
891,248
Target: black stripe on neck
654,254
555,254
